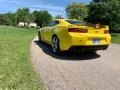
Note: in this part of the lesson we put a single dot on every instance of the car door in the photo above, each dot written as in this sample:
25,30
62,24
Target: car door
49,31
43,33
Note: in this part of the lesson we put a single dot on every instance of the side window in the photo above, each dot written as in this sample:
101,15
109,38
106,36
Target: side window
56,22
53,23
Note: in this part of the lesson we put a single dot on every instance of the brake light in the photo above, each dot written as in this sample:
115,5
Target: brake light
77,30
106,32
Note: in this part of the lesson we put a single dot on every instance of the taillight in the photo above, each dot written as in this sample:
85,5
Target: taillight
77,30
106,32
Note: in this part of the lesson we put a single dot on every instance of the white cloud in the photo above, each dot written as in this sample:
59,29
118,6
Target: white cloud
47,7
12,2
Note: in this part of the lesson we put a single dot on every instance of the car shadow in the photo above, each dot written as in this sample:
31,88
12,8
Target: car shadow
67,55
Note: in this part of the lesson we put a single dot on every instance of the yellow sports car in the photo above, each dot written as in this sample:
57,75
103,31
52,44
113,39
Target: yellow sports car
67,34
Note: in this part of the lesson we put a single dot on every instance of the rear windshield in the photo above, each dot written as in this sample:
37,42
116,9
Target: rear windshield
76,22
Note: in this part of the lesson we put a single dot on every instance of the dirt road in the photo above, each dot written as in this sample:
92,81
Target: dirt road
77,71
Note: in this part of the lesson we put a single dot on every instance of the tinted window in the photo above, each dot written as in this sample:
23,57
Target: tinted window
53,23
77,22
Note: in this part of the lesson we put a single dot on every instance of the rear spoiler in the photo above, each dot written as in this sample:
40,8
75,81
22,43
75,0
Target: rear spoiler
98,25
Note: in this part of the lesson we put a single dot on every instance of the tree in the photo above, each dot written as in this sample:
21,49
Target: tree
42,17
7,19
23,15
76,11
58,17
105,12
2,19
100,0
11,18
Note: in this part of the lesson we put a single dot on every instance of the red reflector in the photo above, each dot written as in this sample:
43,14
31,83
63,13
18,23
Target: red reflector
77,30
106,32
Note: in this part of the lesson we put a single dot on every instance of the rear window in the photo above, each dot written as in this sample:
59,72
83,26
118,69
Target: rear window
76,22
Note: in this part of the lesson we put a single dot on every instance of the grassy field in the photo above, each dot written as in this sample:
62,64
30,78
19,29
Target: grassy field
115,37
15,66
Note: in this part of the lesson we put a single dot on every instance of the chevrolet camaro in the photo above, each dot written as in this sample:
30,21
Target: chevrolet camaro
67,34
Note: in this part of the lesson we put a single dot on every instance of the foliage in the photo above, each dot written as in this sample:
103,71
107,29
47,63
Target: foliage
100,0
105,12
77,11
15,66
2,19
7,19
42,17
23,15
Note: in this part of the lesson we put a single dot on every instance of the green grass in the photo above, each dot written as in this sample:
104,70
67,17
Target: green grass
115,37
16,71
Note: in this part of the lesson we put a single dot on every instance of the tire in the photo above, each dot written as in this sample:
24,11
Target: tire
55,45
39,36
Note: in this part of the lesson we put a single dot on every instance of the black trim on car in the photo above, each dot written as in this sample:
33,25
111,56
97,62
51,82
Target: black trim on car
89,48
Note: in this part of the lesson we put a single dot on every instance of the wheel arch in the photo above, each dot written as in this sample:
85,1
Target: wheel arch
54,35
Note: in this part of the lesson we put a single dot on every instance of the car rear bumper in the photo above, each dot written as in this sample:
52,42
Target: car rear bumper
88,48
85,42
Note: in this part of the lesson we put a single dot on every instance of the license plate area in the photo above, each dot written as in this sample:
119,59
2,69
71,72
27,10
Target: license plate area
96,41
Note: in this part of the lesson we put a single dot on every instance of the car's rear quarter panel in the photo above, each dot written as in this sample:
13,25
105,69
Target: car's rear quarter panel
64,37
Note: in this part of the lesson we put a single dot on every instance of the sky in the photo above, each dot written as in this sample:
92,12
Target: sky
54,7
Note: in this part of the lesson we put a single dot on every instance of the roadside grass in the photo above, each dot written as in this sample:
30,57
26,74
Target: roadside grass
115,37
16,71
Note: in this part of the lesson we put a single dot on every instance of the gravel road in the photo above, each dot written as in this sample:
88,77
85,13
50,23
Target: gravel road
77,71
